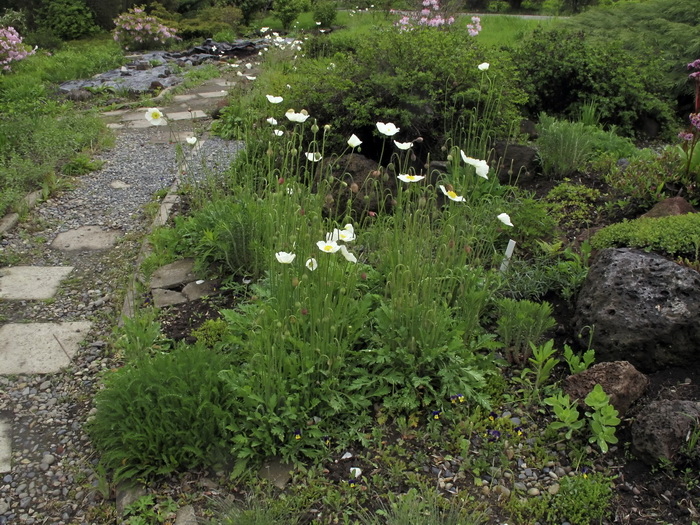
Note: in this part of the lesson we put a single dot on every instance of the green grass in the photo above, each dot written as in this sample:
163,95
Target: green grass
39,131
505,30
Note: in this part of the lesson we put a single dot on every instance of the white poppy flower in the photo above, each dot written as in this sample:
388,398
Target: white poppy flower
505,219
191,140
296,117
354,141
272,121
278,132
274,100
348,256
311,264
285,257
482,169
484,66
328,246
249,77
249,66
387,129
155,117
451,194
403,145
404,177
355,472
313,157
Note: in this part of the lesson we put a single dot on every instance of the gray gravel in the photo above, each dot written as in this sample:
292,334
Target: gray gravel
53,478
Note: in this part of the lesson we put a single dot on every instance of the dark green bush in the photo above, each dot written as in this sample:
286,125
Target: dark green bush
564,70
653,28
325,12
424,81
67,19
156,416
674,235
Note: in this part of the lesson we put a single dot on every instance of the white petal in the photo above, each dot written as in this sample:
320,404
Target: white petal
484,66
354,141
387,129
272,121
311,264
328,246
355,472
274,100
191,140
285,257
403,145
278,132
505,219
348,256
405,177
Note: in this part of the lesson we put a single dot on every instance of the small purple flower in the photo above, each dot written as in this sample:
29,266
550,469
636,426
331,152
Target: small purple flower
436,414
684,135
493,435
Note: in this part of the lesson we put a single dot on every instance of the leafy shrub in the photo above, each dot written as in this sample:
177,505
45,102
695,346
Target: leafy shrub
136,30
287,11
325,12
653,28
11,48
67,19
210,21
573,205
673,235
562,70
404,78
16,19
163,414
648,177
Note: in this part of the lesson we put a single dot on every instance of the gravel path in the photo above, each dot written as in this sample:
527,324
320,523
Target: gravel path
53,478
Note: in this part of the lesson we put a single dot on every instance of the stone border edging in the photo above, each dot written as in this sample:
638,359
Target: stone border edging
10,220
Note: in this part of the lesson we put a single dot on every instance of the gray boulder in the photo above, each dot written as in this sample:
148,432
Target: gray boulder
661,429
643,308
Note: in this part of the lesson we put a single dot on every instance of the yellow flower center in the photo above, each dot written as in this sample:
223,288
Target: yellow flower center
452,194
411,177
327,248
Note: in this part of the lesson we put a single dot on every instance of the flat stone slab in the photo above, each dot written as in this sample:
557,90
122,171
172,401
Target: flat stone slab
276,472
186,115
139,115
85,238
199,289
115,125
174,274
139,124
163,298
213,94
183,98
39,348
5,444
31,282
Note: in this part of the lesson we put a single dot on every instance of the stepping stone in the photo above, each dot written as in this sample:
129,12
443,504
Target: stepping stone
186,115
174,274
276,471
114,125
163,298
141,115
5,444
199,289
139,124
31,282
115,113
183,98
39,348
214,94
85,238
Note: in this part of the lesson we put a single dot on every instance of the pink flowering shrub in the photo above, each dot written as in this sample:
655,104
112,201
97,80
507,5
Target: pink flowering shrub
431,15
690,138
11,48
136,30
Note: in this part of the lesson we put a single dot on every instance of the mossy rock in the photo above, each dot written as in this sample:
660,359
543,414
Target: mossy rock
675,235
